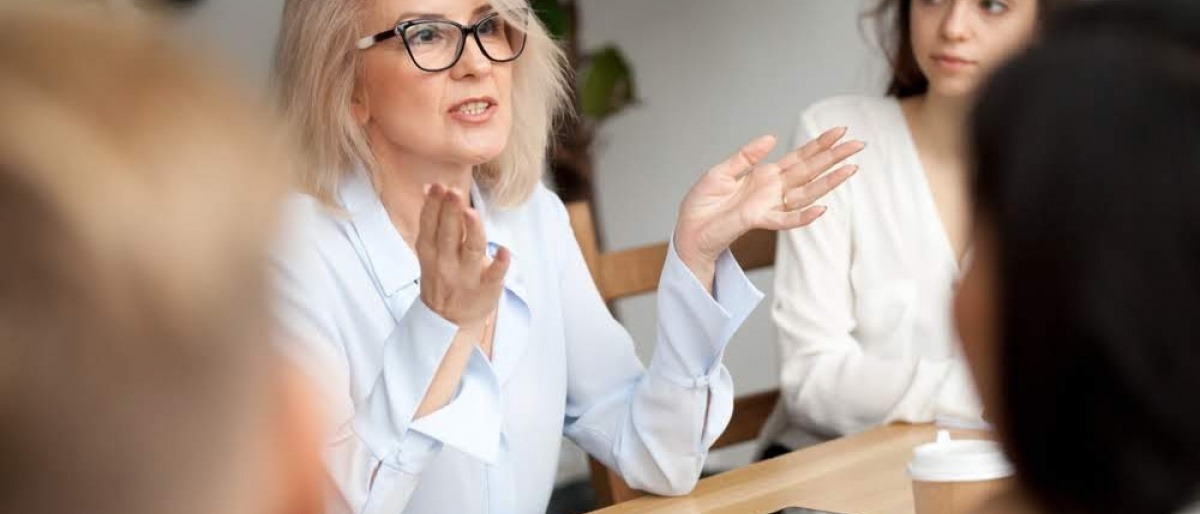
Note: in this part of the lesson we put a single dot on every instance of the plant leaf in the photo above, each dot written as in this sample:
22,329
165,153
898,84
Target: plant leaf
554,16
606,84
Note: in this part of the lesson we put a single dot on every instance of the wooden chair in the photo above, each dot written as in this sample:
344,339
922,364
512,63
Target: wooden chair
624,273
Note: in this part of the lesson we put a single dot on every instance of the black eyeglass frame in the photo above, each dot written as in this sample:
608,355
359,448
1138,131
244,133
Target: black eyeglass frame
471,30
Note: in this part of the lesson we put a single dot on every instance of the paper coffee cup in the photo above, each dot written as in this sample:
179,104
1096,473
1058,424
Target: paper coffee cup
957,476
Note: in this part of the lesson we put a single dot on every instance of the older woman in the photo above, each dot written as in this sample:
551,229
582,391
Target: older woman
445,278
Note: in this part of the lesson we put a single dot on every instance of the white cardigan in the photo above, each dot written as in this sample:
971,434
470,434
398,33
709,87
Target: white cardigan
863,295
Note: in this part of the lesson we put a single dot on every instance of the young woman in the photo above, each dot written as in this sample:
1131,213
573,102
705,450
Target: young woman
862,297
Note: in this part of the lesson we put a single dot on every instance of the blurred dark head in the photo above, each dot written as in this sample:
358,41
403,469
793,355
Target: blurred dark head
1081,317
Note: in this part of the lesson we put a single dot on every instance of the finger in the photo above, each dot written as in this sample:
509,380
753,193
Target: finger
494,274
809,215
768,171
787,220
800,197
449,234
431,210
820,163
817,145
745,158
475,243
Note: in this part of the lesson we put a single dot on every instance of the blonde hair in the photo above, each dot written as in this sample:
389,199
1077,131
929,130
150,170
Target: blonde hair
137,202
316,68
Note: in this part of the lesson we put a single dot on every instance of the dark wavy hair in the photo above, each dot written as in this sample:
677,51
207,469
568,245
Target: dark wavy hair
895,37
1087,158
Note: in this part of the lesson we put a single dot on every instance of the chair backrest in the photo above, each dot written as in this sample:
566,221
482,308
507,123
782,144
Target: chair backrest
623,273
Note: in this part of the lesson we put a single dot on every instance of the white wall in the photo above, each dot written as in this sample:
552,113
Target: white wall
242,30
712,74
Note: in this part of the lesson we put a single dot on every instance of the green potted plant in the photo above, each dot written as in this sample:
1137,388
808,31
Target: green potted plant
603,86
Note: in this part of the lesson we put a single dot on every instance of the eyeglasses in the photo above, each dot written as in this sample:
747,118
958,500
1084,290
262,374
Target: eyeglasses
437,45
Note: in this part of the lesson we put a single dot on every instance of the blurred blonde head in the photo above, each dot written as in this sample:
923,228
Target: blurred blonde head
138,198
316,71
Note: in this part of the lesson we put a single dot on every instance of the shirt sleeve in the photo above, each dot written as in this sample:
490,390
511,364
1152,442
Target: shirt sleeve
653,425
830,386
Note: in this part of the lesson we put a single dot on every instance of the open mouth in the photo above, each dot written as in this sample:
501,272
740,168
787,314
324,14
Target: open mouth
473,108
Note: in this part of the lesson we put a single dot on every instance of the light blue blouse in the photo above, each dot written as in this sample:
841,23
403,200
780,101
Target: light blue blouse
562,365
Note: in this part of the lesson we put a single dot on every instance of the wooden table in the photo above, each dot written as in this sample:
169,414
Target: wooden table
859,474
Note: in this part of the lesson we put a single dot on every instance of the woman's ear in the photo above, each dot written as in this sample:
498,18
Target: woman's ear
299,424
360,108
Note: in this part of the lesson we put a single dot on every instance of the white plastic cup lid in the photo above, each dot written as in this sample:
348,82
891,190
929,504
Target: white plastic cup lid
963,460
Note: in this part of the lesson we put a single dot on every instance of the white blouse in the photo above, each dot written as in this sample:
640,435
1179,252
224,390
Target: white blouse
863,295
561,365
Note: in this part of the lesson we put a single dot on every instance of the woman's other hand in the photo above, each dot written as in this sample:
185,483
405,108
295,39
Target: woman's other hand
742,194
